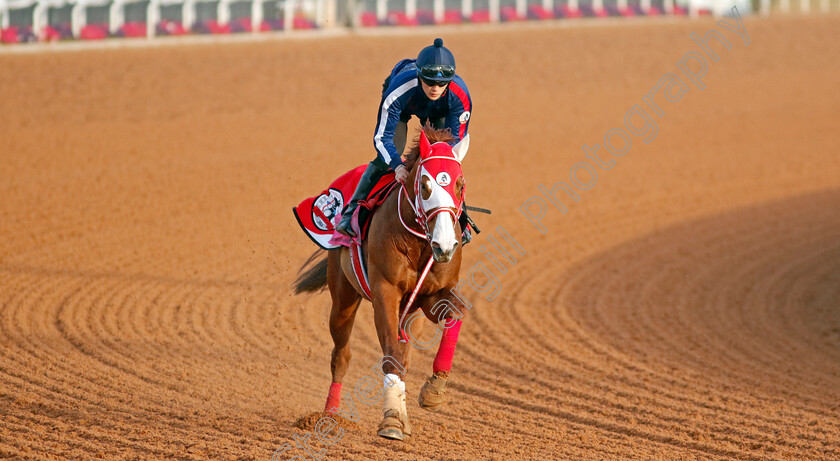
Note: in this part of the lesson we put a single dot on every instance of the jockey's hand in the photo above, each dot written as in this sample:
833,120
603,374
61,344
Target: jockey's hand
401,173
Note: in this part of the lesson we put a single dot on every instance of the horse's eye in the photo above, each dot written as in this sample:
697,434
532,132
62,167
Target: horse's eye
426,187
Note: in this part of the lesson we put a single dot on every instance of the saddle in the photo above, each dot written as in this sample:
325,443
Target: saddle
364,212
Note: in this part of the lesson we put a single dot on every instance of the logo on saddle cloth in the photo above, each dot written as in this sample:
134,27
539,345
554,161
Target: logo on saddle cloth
325,208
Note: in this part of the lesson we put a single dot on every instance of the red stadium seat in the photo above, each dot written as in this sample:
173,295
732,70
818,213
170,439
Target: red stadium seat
133,29
368,19
538,12
300,22
399,18
167,27
218,29
570,13
94,32
9,35
480,16
452,17
15,34
51,34
508,13
425,17
241,25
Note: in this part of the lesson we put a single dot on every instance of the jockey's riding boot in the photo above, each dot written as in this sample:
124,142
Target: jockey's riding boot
370,177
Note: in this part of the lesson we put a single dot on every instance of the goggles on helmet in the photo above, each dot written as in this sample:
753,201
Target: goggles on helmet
437,72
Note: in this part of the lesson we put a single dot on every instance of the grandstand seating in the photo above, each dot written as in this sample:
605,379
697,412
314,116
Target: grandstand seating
32,19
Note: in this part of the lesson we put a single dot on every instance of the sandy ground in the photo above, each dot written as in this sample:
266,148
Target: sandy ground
686,307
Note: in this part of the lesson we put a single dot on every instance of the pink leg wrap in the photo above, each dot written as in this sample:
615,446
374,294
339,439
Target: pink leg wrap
334,397
443,359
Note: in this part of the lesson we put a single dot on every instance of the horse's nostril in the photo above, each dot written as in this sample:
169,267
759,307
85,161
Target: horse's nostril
435,246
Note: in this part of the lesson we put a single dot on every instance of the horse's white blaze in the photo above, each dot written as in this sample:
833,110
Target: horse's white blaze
444,231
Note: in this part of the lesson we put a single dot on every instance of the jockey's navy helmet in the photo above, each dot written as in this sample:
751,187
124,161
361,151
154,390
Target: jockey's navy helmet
436,63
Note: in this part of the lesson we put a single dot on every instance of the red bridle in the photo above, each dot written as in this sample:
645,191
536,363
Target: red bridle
423,216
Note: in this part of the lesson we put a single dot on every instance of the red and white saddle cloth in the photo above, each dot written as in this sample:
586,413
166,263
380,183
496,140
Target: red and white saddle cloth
319,215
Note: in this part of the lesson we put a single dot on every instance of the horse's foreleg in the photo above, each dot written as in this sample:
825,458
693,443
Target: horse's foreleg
386,301
433,393
446,351
345,304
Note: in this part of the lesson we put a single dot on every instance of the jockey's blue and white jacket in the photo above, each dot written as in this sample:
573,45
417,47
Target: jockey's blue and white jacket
404,97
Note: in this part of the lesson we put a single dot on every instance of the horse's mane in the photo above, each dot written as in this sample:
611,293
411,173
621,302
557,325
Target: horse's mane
443,135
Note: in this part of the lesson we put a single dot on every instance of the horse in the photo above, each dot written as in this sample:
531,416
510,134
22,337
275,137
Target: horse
414,233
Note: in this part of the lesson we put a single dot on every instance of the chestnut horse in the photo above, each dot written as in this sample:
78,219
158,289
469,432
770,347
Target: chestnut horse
417,222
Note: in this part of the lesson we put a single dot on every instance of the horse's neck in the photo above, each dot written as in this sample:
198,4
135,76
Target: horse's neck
397,207
413,251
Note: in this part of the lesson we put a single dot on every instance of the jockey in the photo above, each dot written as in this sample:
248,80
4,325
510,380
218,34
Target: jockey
429,89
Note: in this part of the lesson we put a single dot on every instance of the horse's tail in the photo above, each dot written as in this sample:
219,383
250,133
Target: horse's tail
314,278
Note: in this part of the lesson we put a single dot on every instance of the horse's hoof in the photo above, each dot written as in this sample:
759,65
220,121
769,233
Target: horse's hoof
433,393
392,433
392,427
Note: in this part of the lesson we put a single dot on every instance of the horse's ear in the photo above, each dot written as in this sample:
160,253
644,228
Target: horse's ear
460,149
425,146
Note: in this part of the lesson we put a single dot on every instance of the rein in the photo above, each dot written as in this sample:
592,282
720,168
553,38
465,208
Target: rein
399,213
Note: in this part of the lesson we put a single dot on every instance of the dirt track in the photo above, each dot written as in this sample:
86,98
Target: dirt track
687,307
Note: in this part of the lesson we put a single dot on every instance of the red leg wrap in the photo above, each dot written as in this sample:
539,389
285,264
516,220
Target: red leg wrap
334,397
443,359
